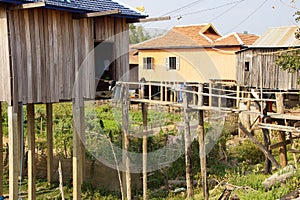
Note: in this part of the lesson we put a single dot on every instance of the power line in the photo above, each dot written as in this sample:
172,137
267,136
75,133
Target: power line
226,10
184,7
252,13
213,8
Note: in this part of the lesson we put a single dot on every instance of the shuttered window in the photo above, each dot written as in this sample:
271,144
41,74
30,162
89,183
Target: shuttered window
148,63
172,63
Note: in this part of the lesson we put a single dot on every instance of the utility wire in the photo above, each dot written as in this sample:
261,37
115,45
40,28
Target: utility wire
226,11
182,8
252,13
213,8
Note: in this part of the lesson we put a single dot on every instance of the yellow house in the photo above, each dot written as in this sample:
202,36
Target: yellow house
192,53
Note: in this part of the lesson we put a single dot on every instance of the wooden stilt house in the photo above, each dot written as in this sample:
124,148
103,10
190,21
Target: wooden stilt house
46,46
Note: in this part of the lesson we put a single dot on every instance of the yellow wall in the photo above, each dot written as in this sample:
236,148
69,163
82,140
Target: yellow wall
196,65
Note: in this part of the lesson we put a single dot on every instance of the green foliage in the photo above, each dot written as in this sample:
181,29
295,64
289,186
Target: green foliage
137,34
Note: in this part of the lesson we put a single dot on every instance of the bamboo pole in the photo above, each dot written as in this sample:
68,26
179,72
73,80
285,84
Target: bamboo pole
188,149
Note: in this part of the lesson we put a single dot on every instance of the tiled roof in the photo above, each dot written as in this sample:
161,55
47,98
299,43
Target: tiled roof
87,6
237,39
203,35
278,37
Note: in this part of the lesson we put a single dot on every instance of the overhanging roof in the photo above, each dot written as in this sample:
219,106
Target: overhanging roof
86,6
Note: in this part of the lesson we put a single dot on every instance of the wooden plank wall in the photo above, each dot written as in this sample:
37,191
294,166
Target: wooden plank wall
109,29
273,76
48,47
5,84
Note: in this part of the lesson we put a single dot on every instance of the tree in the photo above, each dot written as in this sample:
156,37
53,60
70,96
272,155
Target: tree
137,34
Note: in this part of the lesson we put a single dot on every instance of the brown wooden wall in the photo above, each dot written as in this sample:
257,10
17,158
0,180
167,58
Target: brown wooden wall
273,76
50,50
5,84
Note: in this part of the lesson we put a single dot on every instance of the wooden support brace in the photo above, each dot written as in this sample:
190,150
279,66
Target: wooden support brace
28,6
145,141
96,14
260,146
280,144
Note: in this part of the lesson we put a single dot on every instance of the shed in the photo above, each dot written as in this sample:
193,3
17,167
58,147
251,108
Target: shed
256,66
48,46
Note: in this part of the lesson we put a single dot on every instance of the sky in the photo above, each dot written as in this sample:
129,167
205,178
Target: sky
253,16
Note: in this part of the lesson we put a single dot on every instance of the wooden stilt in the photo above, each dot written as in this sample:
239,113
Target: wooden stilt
13,140
281,136
166,92
187,149
31,152
49,143
150,91
237,97
161,92
1,153
145,114
125,119
78,151
202,152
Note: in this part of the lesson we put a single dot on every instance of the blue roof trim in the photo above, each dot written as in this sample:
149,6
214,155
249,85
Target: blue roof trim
87,6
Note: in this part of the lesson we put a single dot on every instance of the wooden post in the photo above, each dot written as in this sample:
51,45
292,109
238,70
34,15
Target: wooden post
187,149
166,92
13,140
210,97
145,114
78,151
281,136
125,120
202,154
248,119
237,96
31,152
200,95
161,91
150,91
1,152
49,143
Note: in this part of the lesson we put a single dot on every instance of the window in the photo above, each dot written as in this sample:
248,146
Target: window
172,63
247,66
148,63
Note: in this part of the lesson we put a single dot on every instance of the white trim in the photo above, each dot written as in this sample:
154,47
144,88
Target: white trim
230,34
207,38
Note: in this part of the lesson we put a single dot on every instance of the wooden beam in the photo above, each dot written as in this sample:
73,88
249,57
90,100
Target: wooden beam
28,6
96,14
13,142
149,20
280,144
31,152
202,154
49,143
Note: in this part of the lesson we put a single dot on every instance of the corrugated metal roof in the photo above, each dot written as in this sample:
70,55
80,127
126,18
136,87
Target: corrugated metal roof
88,6
278,37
